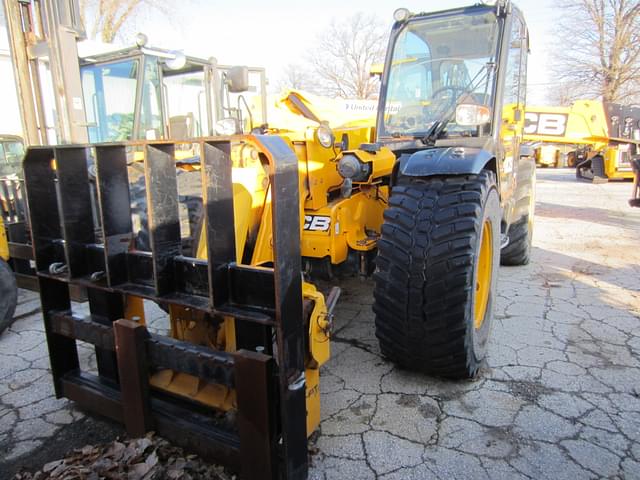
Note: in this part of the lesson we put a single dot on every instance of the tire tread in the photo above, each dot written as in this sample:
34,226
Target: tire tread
423,277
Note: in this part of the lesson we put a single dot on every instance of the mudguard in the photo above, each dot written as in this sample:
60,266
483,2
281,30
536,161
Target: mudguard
444,161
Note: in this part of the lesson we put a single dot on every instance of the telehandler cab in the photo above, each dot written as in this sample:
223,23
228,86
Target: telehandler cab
433,199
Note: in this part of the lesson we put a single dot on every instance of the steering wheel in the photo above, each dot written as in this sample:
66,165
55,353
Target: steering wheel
409,117
439,108
413,116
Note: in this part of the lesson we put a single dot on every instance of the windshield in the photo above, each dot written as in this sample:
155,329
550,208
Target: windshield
186,104
438,63
109,95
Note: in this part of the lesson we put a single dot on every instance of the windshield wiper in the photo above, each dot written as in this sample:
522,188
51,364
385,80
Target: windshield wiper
434,132
439,126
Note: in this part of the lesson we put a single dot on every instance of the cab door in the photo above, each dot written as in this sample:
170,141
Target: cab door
513,104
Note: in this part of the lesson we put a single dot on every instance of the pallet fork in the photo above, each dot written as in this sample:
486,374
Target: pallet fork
268,438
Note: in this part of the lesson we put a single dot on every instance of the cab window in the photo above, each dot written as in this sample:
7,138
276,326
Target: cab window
150,109
109,92
11,154
523,66
514,92
186,104
413,78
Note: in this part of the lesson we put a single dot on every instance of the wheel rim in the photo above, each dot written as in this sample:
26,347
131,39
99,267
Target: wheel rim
483,275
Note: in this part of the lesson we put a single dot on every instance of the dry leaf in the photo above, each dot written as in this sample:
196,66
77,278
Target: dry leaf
147,458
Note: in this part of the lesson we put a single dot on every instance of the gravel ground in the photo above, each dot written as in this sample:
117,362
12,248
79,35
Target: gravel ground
558,398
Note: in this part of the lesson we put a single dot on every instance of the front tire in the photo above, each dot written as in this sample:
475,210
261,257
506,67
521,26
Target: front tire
8,295
592,169
436,275
597,167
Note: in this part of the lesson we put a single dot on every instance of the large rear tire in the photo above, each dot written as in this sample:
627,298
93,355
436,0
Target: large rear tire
8,295
436,273
518,250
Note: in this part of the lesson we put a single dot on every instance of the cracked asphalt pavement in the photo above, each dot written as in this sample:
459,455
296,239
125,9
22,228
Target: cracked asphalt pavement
558,398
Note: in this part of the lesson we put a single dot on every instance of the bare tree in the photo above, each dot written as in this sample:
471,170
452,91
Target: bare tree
104,19
295,76
563,94
341,62
599,49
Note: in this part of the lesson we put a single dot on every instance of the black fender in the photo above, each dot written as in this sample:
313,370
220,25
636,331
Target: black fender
444,161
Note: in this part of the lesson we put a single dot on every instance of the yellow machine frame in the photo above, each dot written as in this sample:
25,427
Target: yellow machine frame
4,242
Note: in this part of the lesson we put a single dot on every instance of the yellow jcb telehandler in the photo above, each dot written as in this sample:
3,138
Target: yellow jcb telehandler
432,200
612,154
597,139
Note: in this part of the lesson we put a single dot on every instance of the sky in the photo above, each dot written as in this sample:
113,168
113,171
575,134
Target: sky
275,33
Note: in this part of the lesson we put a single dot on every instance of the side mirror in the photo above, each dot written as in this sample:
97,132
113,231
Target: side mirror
237,79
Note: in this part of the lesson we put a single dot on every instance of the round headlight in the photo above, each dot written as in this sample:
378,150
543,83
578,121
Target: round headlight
401,15
325,136
141,39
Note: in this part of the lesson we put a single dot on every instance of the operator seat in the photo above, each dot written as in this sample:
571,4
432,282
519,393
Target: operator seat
181,127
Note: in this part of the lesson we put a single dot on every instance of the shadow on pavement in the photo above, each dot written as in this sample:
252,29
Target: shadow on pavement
89,430
590,214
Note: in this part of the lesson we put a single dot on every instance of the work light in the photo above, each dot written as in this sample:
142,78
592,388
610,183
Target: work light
401,15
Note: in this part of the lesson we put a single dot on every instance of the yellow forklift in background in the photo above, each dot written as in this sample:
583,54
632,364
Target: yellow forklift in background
562,135
596,139
612,161
8,286
148,93
11,226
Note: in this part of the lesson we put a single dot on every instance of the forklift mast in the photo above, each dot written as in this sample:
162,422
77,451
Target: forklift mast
43,37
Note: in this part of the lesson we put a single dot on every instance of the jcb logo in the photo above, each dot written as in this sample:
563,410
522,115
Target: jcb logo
545,124
317,223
